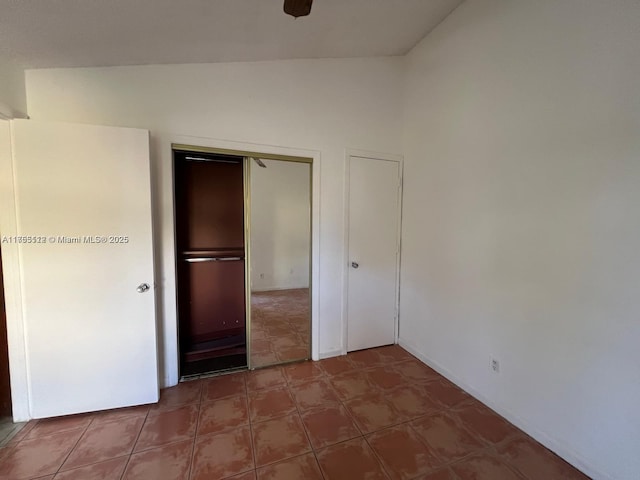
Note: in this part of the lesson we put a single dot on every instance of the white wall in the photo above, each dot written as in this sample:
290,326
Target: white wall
521,228
320,105
280,225
520,225
12,278
13,100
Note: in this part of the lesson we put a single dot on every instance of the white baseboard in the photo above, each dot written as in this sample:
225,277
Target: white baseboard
331,353
167,382
558,448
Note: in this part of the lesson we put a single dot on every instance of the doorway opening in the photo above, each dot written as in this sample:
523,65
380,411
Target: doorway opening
243,259
210,256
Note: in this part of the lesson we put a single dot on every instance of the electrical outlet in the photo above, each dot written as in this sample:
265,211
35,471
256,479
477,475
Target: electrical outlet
495,365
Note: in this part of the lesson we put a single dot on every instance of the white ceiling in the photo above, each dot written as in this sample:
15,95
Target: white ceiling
72,33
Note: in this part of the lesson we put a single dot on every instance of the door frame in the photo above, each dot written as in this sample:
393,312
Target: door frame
248,156
18,370
168,336
389,157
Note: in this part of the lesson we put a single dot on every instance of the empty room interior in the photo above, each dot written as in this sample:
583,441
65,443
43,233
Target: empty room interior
321,240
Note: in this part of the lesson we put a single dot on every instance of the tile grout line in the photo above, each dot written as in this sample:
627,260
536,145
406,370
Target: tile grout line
408,422
135,443
13,443
355,421
366,440
254,455
82,435
445,464
375,454
15,429
195,433
75,445
488,447
383,392
304,428
92,463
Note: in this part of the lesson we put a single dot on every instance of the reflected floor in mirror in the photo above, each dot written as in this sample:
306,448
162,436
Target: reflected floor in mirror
280,326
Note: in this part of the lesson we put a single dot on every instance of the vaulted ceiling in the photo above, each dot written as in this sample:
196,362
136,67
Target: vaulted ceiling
74,33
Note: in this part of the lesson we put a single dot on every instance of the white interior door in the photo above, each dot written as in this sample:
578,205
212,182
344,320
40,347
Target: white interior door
374,196
84,214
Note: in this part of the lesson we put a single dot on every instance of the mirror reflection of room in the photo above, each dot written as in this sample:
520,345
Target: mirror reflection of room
280,236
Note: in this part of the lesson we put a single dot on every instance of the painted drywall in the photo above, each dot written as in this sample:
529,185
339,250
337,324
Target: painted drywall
12,279
520,223
324,106
280,225
13,99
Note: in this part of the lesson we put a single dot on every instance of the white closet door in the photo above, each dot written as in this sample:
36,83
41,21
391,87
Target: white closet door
374,197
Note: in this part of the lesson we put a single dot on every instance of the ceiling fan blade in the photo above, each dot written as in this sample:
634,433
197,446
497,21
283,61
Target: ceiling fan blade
297,8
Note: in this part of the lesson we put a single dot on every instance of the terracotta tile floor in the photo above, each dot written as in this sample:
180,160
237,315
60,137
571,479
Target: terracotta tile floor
280,326
8,430
375,414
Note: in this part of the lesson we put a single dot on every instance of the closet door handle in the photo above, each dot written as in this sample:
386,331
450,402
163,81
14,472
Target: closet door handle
213,259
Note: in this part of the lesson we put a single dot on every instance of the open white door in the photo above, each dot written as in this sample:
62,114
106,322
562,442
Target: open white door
374,199
85,245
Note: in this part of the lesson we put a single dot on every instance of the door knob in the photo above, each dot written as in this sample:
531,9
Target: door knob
143,287
355,264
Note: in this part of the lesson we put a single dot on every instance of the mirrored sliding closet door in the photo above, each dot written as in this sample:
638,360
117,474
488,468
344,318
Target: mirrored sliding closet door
280,260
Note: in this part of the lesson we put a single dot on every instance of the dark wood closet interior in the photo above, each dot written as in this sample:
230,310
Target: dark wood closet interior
210,244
